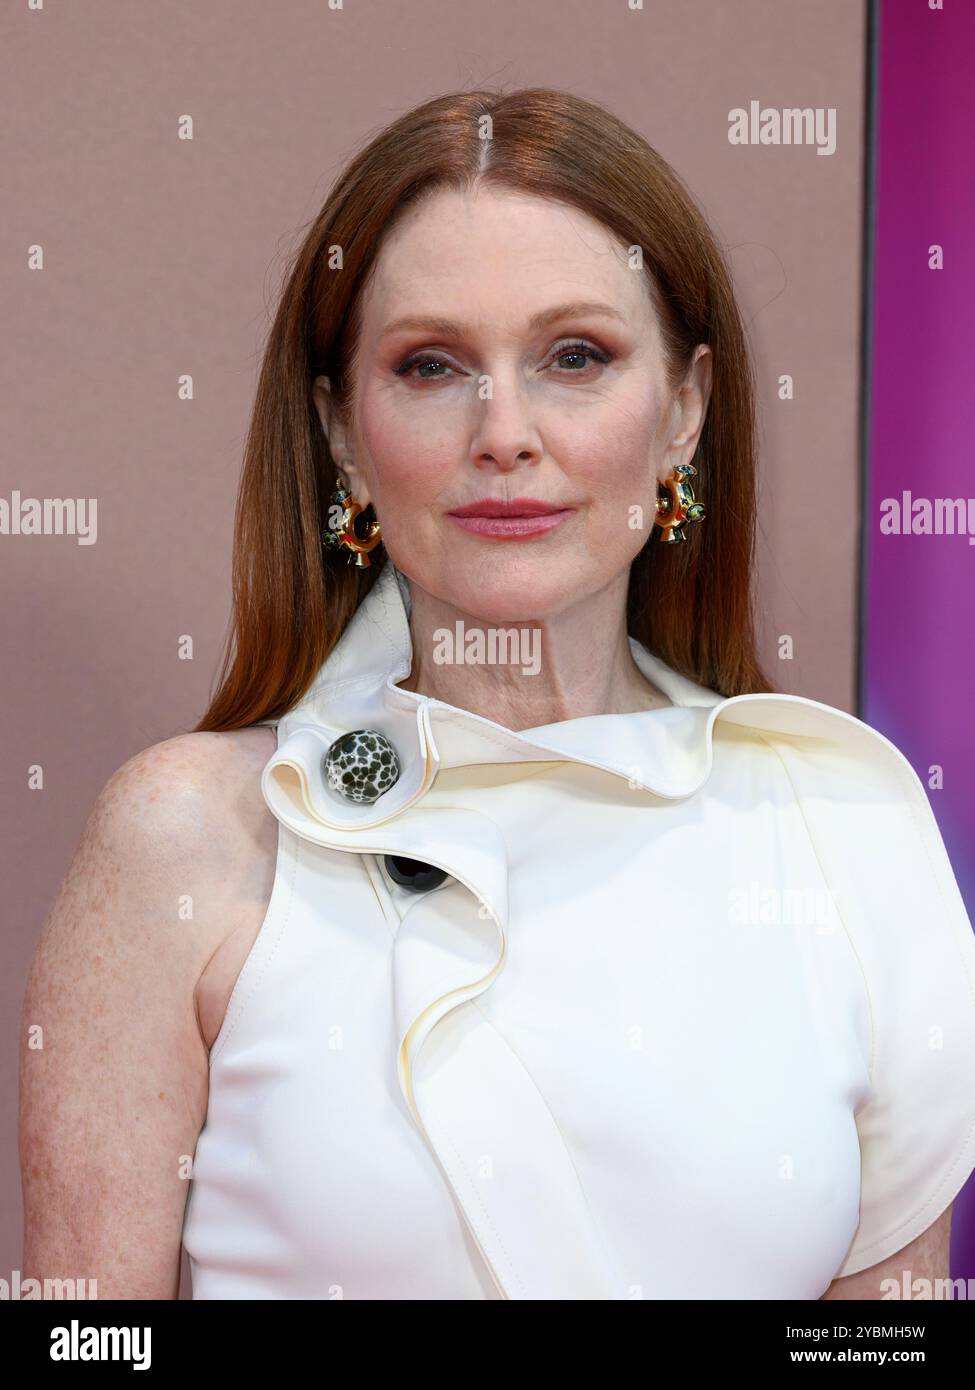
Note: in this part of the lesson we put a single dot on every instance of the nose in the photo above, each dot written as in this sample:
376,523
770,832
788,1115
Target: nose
506,438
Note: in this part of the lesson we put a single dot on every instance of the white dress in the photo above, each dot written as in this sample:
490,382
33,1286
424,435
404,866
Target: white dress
692,1015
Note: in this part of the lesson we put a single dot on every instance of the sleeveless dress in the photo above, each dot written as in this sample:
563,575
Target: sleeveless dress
691,1016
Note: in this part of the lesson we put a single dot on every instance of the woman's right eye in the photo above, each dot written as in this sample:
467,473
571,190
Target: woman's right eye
406,368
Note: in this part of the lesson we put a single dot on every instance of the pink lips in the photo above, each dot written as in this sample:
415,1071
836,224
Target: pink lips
520,519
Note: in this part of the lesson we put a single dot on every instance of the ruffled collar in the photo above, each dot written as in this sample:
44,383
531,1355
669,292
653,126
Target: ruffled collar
666,751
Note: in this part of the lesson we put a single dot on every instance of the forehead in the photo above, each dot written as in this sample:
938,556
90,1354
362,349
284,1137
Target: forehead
493,255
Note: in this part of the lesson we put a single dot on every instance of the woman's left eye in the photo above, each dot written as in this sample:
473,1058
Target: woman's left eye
577,350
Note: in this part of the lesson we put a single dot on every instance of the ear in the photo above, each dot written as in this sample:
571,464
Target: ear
690,410
338,441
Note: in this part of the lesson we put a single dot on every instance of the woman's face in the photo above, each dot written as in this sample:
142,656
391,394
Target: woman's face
508,352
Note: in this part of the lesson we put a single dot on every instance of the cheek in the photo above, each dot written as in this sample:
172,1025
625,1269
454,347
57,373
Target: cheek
408,467
611,454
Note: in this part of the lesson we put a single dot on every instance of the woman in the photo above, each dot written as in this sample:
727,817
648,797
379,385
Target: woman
561,957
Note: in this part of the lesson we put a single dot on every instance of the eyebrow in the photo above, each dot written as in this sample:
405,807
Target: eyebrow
451,328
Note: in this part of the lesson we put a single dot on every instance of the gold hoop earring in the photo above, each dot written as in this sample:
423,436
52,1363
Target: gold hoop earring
344,534
679,507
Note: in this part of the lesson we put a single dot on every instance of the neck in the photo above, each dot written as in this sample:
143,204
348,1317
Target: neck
534,671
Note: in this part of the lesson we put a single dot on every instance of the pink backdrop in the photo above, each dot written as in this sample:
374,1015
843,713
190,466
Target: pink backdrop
162,255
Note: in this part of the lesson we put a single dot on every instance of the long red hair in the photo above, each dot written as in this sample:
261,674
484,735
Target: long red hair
691,604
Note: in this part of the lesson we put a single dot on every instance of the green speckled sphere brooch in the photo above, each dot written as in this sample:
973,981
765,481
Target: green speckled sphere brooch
675,511
361,765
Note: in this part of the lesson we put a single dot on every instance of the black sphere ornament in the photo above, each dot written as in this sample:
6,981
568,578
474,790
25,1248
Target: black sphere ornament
361,765
413,874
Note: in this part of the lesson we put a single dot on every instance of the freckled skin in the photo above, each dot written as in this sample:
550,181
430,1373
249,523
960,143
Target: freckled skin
129,996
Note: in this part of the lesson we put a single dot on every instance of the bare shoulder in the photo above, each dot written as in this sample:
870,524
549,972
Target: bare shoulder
190,793
176,855
187,816
179,832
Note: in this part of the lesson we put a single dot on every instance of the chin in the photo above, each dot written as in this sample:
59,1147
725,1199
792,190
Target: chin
501,588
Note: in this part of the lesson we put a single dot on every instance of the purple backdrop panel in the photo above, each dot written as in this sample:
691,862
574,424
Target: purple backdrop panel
919,654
